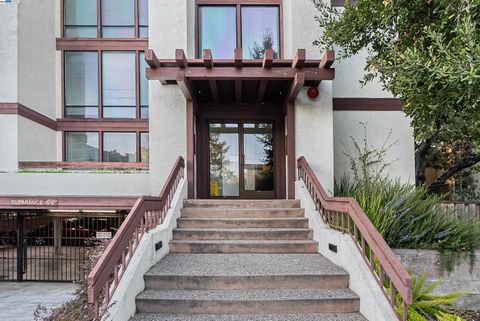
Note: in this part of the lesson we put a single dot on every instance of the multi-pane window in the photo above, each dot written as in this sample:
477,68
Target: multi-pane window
119,76
118,18
124,147
81,147
259,29
81,84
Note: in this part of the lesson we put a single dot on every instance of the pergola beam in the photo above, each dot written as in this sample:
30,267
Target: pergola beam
268,58
328,59
238,91
181,59
299,59
151,59
207,58
185,86
238,57
296,86
261,91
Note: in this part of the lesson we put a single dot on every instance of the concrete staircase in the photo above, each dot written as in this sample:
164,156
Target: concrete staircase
245,260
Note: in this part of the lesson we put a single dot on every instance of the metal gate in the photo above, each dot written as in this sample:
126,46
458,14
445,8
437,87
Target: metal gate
45,247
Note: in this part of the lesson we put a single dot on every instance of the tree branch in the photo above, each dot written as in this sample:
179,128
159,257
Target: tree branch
466,162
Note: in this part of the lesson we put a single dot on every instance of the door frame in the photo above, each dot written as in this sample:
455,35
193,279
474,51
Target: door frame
240,113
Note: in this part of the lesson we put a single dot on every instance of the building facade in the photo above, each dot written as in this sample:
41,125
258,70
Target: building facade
99,98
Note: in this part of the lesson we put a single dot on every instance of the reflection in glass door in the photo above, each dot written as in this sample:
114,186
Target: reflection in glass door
258,160
224,160
241,160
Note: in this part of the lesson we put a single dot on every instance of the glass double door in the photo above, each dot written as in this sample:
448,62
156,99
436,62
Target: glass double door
241,160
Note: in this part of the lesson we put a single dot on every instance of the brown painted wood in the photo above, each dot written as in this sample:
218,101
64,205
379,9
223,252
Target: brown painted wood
214,90
367,104
82,44
296,86
328,59
67,202
185,86
299,59
69,124
151,59
238,91
207,58
238,57
261,91
21,110
181,59
291,161
190,161
81,165
268,58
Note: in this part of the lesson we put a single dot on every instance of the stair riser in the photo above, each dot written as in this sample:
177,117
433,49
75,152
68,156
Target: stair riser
241,213
301,223
246,282
243,248
242,203
248,307
250,235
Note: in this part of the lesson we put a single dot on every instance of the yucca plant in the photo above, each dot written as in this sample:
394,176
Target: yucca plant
427,306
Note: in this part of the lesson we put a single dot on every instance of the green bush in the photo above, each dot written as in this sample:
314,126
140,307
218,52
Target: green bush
407,216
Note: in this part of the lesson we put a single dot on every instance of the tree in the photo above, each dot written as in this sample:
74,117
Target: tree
257,50
427,53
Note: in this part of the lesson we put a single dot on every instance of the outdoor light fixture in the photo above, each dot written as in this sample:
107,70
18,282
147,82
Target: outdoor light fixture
313,92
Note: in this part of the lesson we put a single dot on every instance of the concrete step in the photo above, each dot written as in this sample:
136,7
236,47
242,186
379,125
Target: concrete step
242,203
265,301
243,246
245,271
241,212
249,317
242,234
283,222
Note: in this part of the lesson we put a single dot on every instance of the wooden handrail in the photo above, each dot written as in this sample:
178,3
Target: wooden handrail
345,215
147,213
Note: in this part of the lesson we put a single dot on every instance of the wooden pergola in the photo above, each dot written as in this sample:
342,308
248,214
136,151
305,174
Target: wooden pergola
241,81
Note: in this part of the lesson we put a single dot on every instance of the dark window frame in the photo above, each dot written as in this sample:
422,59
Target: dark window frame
238,4
99,22
100,133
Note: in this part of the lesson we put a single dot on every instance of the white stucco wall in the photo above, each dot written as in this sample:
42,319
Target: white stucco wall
36,142
8,52
314,132
8,142
36,55
346,124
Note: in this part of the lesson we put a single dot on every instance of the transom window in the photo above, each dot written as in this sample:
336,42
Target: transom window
121,92
253,28
117,19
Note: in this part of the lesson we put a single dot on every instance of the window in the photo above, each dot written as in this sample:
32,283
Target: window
219,30
80,18
119,84
81,84
143,87
119,147
260,31
144,148
217,27
118,18
81,146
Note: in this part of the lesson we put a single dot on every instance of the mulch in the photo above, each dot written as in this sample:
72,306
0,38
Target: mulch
470,315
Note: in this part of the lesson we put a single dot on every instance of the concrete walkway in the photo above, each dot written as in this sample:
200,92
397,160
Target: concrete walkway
18,301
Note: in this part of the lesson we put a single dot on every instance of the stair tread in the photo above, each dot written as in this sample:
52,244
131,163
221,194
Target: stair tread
242,229
242,218
249,294
243,241
239,209
253,317
245,265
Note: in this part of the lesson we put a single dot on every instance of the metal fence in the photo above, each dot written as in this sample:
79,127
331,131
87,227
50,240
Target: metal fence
45,247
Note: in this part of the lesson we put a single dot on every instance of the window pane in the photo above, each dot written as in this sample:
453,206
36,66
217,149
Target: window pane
118,19
81,112
119,147
81,82
81,146
144,147
143,18
260,31
80,18
118,73
217,30
143,86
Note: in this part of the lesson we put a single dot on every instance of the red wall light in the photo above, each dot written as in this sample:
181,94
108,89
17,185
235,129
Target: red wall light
313,92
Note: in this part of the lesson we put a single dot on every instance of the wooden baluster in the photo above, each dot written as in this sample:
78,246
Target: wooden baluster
405,311
392,293
372,259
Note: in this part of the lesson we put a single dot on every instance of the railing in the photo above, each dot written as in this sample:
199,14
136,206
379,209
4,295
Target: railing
147,213
461,210
345,215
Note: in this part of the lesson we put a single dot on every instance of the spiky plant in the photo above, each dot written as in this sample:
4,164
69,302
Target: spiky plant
427,306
